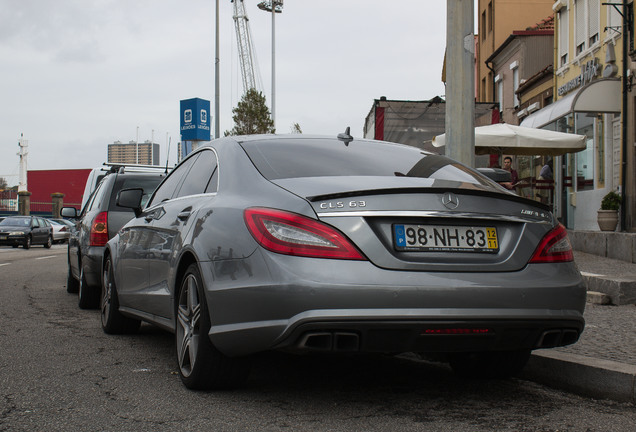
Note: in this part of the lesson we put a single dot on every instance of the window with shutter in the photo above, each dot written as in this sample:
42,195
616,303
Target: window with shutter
564,28
580,27
614,21
593,22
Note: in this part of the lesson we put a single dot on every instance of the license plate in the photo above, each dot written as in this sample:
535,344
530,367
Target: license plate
445,238
3,237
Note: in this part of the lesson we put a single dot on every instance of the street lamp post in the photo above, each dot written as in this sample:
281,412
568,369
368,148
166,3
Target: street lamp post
217,85
273,6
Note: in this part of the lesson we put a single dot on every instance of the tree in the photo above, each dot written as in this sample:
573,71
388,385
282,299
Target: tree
251,116
295,129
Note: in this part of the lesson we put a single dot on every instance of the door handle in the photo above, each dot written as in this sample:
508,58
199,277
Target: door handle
184,215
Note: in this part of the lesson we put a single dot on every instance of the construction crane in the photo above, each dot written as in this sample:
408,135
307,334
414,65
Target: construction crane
245,51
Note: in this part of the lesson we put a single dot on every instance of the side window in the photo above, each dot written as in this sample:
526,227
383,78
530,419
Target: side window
35,223
199,175
97,197
147,182
167,189
213,184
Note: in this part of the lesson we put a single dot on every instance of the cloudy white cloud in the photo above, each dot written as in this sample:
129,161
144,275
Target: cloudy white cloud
76,75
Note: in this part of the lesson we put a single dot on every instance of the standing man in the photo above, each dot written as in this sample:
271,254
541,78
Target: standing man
513,174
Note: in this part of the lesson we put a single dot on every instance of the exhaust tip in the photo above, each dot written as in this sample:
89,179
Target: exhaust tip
316,342
327,341
557,337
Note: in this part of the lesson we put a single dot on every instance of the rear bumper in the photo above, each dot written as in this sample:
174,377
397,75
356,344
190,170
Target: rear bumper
434,336
391,331
92,266
330,305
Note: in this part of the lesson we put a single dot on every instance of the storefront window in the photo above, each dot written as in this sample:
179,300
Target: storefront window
585,158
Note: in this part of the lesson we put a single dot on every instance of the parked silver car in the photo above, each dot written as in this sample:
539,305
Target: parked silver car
61,230
340,245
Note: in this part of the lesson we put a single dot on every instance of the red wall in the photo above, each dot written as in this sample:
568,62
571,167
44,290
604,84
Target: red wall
70,182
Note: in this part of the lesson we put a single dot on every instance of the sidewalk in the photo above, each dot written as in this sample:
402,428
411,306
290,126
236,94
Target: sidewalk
603,362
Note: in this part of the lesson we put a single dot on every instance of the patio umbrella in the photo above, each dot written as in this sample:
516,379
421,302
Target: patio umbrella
502,138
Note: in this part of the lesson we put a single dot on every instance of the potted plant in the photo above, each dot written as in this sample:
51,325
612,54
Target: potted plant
608,214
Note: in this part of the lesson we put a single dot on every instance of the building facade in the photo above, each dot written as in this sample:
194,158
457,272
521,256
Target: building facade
588,95
134,153
523,55
497,20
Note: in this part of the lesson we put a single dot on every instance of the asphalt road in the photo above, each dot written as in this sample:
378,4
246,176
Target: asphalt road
60,372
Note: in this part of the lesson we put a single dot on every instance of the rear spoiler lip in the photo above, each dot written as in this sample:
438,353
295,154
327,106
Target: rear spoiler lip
394,191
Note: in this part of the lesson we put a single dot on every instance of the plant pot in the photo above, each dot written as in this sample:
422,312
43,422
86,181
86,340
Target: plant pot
607,220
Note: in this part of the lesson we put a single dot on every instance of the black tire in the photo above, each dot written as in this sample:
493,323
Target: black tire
27,243
72,285
201,365
88,297
48,243
490,364
113,322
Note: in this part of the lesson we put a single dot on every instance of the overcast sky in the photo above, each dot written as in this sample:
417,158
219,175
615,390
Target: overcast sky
76,75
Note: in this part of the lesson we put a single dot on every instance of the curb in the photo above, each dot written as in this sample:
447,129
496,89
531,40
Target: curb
585,376
621,290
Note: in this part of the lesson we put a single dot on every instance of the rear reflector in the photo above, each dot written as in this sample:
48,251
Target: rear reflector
554,247
293,234
456,331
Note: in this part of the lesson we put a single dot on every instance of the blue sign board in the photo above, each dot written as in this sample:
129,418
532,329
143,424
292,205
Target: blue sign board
195,120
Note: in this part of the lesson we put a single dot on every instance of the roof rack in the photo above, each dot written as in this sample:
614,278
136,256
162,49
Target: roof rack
121,168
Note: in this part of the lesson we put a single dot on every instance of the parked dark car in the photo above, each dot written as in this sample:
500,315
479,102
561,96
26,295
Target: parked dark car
99,221
26,231
339,245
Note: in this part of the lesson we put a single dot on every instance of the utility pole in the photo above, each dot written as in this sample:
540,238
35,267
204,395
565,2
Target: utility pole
460,81
273,6
217,86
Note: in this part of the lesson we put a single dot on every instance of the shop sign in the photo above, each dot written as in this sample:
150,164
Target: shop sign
589,70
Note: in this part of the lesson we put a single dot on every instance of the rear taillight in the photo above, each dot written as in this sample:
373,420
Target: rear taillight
99,230
554,247
292,234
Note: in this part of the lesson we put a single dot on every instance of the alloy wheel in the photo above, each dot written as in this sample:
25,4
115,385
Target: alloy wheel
107,290
188,328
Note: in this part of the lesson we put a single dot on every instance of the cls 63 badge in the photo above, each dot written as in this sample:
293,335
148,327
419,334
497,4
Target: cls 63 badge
342,204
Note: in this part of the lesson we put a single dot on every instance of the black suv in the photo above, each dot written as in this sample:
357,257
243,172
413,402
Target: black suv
26,231
98,222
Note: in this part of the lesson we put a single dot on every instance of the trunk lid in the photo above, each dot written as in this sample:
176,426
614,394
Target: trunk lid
424,224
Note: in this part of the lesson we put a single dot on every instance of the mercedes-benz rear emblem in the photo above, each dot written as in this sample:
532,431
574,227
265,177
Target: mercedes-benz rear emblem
450,201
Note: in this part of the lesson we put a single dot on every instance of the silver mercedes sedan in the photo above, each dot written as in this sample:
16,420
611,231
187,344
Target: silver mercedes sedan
339,245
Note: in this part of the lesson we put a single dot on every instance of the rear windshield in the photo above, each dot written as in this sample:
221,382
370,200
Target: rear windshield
148,183
294,158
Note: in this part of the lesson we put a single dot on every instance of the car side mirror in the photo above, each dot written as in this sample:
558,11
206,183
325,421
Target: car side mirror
69,212
131,198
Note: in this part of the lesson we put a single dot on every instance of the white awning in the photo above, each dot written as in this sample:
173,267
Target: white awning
601,96
502,138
